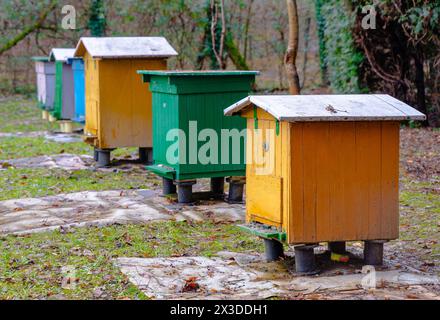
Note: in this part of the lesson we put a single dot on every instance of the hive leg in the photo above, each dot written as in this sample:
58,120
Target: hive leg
373,252
218,186
337,247
95,154
168,186
236,186
273,249
184,191
52,118
66,126
305,261
146,155
103,157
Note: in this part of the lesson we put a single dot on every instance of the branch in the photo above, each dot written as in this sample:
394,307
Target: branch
28,30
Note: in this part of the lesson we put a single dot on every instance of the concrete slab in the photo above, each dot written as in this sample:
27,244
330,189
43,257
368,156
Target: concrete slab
60,161
249,277
98,208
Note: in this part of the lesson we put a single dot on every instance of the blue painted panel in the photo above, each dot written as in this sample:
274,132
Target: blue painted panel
78,78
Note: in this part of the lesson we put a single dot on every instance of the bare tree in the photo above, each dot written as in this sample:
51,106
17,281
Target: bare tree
292,48
220,53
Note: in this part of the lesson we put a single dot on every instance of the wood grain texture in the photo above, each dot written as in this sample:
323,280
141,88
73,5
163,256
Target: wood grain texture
344,181
118,104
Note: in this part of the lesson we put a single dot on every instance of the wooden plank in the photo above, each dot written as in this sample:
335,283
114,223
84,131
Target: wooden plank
409,111
91,77
250,165
268,188
295,228
349,178
374,168
390,180
335,167
286,154
323,154
363,130
126,104
142,115
310,140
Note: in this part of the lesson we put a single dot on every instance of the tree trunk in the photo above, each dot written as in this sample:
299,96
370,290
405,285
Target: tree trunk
420,85
246,29
292,48
237,59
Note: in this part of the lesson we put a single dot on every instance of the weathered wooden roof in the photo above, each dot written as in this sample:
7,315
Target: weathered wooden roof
358,107
61,54
125,47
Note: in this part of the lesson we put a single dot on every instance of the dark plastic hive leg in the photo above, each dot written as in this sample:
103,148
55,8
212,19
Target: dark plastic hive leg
236,186
337,247
373,252
95,154
103,157
273,249
184,191
146,155
168,186
218,186
305,261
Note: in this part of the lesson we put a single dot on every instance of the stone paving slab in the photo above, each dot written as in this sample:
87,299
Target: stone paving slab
98,208
60,161
248,277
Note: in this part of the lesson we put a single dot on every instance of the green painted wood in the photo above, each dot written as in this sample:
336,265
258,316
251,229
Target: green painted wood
181,97
264,231
58,104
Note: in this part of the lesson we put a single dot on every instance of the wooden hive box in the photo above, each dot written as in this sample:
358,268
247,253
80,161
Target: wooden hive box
64,102
184,97
45,79
324,168
118,106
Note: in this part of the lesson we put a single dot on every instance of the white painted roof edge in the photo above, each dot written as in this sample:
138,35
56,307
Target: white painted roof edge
166,52
61,54
403,111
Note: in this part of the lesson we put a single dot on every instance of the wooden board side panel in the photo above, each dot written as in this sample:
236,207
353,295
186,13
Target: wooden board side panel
295,229
142,115
125,103
91,74
344,181
390,179
265,180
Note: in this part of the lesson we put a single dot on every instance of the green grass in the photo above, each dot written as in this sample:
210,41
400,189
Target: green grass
25,183
22,115
23,147
420,218
32,266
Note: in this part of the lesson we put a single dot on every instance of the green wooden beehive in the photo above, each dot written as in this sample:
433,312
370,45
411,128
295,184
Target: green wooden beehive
181,98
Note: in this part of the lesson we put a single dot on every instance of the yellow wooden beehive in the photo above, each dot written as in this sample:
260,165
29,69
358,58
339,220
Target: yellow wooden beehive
118,105
330,168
